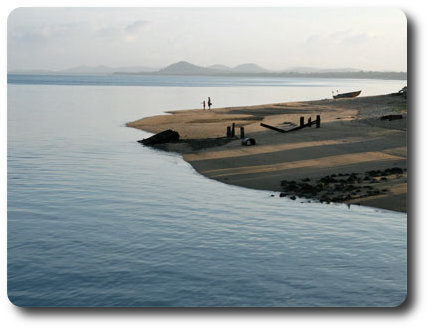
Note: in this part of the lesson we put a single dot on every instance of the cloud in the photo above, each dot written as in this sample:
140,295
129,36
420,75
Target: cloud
313,39
358,38
40,34
342,37
122,32
137,26
133,30
65,37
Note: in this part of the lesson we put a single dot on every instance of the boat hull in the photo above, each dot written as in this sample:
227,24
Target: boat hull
345,95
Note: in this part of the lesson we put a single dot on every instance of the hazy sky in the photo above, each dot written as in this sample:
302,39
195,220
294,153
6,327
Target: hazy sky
275,38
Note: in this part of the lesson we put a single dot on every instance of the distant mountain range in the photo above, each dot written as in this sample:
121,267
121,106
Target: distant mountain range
306,69
252,69
185,68
106,69
248,69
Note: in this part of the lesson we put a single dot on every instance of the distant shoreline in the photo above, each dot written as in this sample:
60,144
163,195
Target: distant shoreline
328,75
354,158
341,75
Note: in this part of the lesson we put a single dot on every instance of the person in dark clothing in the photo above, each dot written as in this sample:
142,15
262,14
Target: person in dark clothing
209,103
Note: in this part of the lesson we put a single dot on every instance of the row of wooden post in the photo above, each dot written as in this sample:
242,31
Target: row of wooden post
231,131
317,121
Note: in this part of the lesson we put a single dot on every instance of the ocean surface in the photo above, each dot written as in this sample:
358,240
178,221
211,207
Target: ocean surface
96,219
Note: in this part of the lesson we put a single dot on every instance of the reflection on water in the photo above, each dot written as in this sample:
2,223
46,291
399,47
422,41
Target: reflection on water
95,219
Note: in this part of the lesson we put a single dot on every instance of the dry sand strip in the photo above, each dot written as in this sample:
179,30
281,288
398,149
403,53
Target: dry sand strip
352,138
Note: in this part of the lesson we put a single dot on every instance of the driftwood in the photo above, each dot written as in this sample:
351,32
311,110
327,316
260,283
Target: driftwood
274,128
310,122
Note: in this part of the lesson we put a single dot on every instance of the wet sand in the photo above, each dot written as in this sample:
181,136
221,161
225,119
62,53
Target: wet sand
353,158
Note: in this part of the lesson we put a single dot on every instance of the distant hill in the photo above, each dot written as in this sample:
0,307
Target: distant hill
249,68
185,68
307,69
219,67
347,75
135,69
252,69
102,69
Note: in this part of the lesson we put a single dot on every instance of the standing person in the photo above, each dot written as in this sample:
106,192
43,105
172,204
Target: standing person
204,105
209,103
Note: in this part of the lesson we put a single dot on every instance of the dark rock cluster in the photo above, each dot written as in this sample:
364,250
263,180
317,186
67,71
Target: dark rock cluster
340,187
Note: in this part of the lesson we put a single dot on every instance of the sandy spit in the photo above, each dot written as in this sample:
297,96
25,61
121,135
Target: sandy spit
353,158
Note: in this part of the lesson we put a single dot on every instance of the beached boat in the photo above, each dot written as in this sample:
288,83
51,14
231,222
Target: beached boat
350,94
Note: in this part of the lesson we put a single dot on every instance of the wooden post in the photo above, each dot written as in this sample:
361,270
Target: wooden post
242,132
302,121
233,134
309,121
228,131
318,122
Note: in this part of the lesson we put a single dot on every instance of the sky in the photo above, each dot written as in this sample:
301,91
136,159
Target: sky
274,38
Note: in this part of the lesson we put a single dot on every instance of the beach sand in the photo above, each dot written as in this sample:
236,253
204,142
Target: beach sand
353,158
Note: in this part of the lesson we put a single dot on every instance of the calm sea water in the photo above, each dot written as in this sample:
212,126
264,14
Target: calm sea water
95,219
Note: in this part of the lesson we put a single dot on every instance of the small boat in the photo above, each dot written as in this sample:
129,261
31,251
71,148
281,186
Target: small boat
350,94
